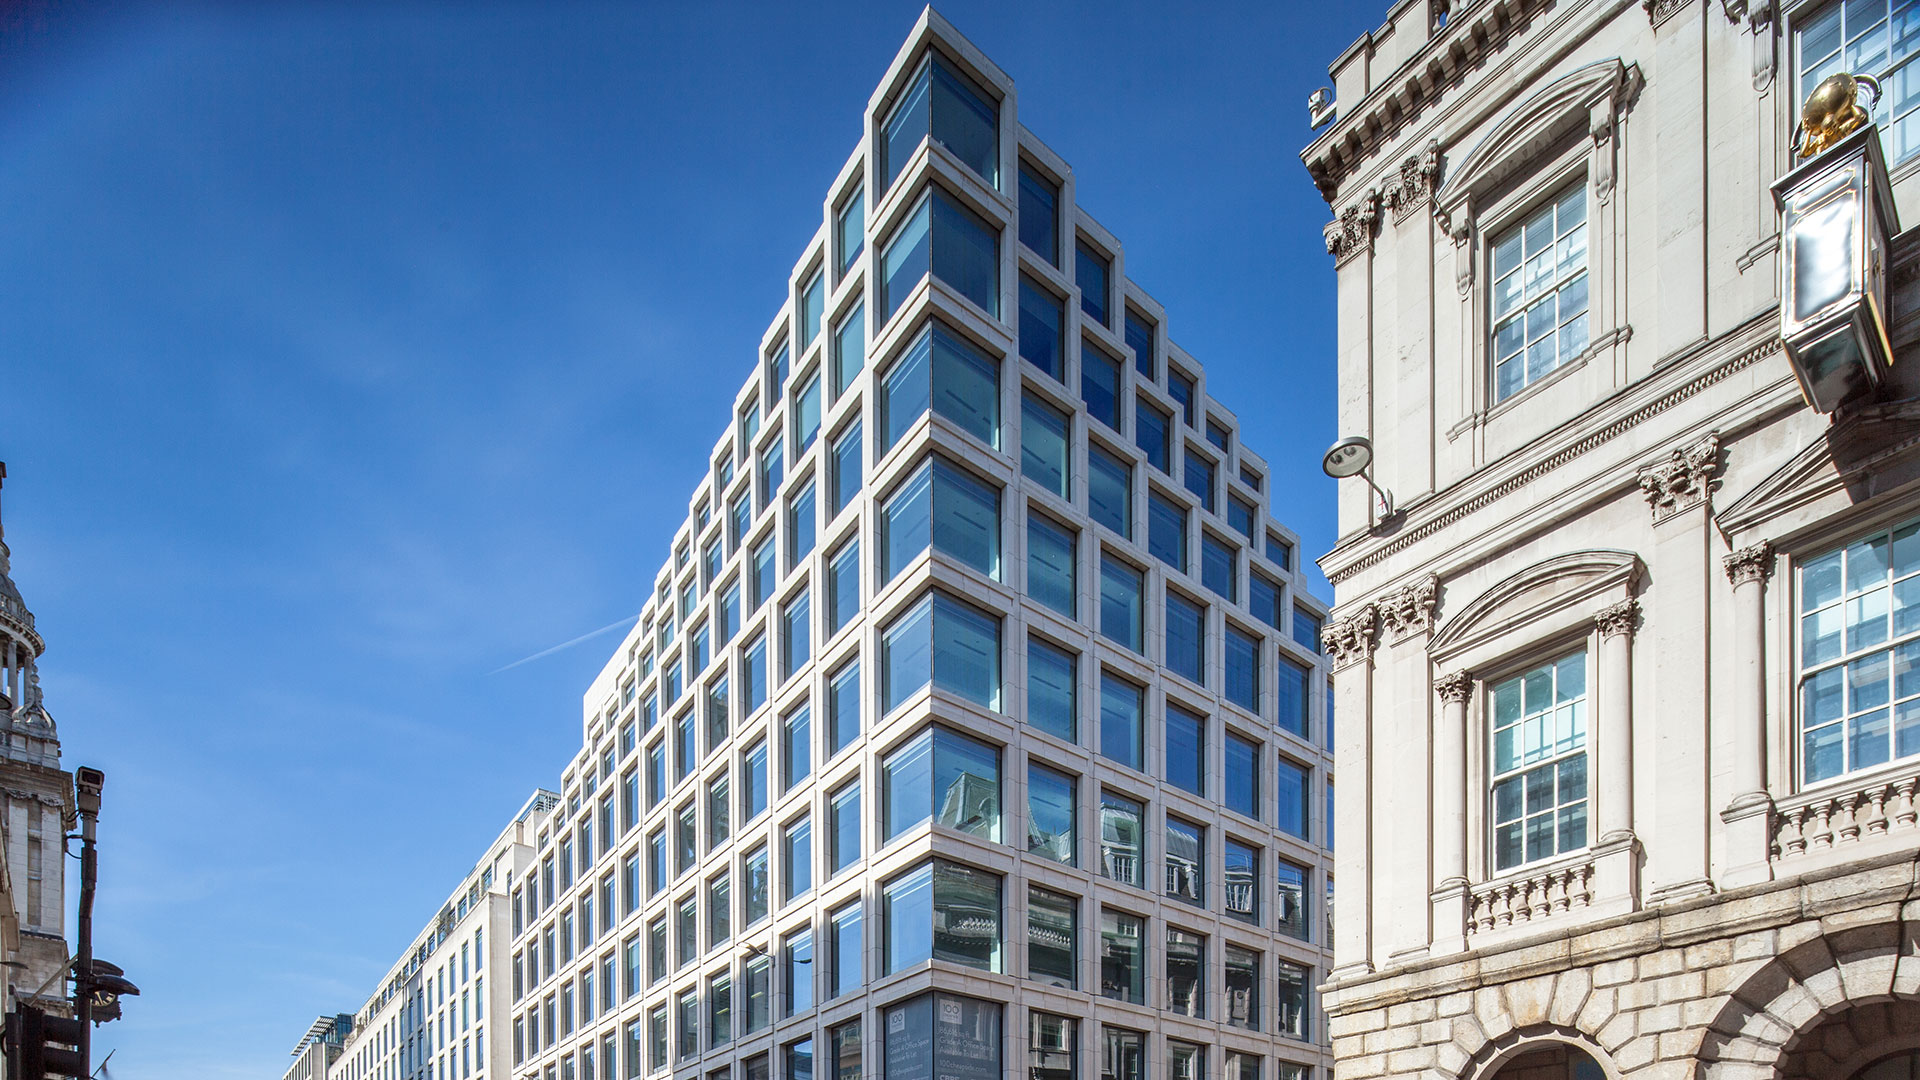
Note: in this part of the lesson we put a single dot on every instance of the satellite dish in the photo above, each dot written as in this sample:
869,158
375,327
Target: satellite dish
1348,457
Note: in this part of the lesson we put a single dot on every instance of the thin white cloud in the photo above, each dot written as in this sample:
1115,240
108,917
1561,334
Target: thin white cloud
589,636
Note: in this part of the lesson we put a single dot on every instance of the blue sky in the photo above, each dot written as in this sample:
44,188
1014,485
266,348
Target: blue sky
349,352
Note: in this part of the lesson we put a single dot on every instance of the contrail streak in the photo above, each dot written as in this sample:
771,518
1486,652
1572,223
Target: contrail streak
628,621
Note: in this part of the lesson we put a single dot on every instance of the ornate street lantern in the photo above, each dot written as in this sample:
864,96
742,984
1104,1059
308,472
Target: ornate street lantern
1836,213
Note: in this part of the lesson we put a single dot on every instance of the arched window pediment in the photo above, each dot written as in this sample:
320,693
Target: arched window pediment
1540,595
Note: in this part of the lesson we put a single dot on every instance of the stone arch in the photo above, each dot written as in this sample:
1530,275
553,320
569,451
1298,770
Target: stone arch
1522,1043
1823,1005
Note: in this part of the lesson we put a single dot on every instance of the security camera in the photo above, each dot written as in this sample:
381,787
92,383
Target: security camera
87,782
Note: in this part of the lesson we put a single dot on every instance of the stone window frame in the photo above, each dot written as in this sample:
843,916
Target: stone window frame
1513,626
1569,129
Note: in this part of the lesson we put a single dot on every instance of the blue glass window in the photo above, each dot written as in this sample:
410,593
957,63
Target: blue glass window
1291,691
800,526
1243,669
1040,215
1110,491
796,637
843,705
942,372
952,242
1243,776
1186,750
1306,628
1218,564
776,376
1044,445
1093,272
941,640
1279,551
765,572
1199,478
1291,798
1122,707
1859,670
1043,320
944,776
944,506
1052,689
844,816
1240,515
1263,597
847,467
1051,566
943,104
1140,340
852,229
1152,433
796,750
1182,390
813,300
1100,384
773,469
806,416
1167,531
1120,603
849,349
1186,638
843,586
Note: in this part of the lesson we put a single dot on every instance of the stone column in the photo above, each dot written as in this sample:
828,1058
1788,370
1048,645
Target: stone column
1679,490
1349,644
1613,721
1747,816
1450,892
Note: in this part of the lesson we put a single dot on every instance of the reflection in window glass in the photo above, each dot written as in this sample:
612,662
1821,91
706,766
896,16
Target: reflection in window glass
943,1035
1290,995
954,244
946,776
1186,967
1123,1054
941,911
1050,814
943,104
1186,860
1123,967
848,974
1050,933
1859,612
1243,987
1052,1044
1291,916
1241,886
1123,839
944,506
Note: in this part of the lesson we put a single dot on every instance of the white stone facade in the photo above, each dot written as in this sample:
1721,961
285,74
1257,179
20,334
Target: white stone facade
1677,865
36,808
438,1013
781,666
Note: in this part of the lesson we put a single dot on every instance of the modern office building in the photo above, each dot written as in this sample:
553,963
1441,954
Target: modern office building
436,1015
1629,742
975,724
319,1048
36,809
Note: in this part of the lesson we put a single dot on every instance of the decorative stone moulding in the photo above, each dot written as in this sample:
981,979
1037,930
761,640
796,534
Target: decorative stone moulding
1684,480
1408,610
1825,822
1351,639
1497,905
1352,232
1591,99
1750,564
1419,176
1454,689
1620,618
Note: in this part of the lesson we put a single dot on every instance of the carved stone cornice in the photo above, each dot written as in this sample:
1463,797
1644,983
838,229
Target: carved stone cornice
1351,639
1659,11
1352,232
1684,480
1454,689
1408,610
1750,564
1620,618
1419,176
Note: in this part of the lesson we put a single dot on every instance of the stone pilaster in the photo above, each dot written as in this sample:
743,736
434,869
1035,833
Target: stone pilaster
1349,642
1745,719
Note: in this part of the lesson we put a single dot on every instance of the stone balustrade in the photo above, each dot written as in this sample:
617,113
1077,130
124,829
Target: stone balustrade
1515,901
1828,820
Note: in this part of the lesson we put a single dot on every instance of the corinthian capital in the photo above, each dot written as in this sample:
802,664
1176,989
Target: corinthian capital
1683,480
1408,610
1351,639
1454,689
1618,618
1750,564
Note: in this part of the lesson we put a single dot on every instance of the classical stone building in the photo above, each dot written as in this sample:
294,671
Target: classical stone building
36,807
1628,682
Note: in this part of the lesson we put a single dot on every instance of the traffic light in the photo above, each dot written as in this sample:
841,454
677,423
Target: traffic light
43,1047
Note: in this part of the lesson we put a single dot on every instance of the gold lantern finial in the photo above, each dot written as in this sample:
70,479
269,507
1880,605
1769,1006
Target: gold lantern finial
1833,111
